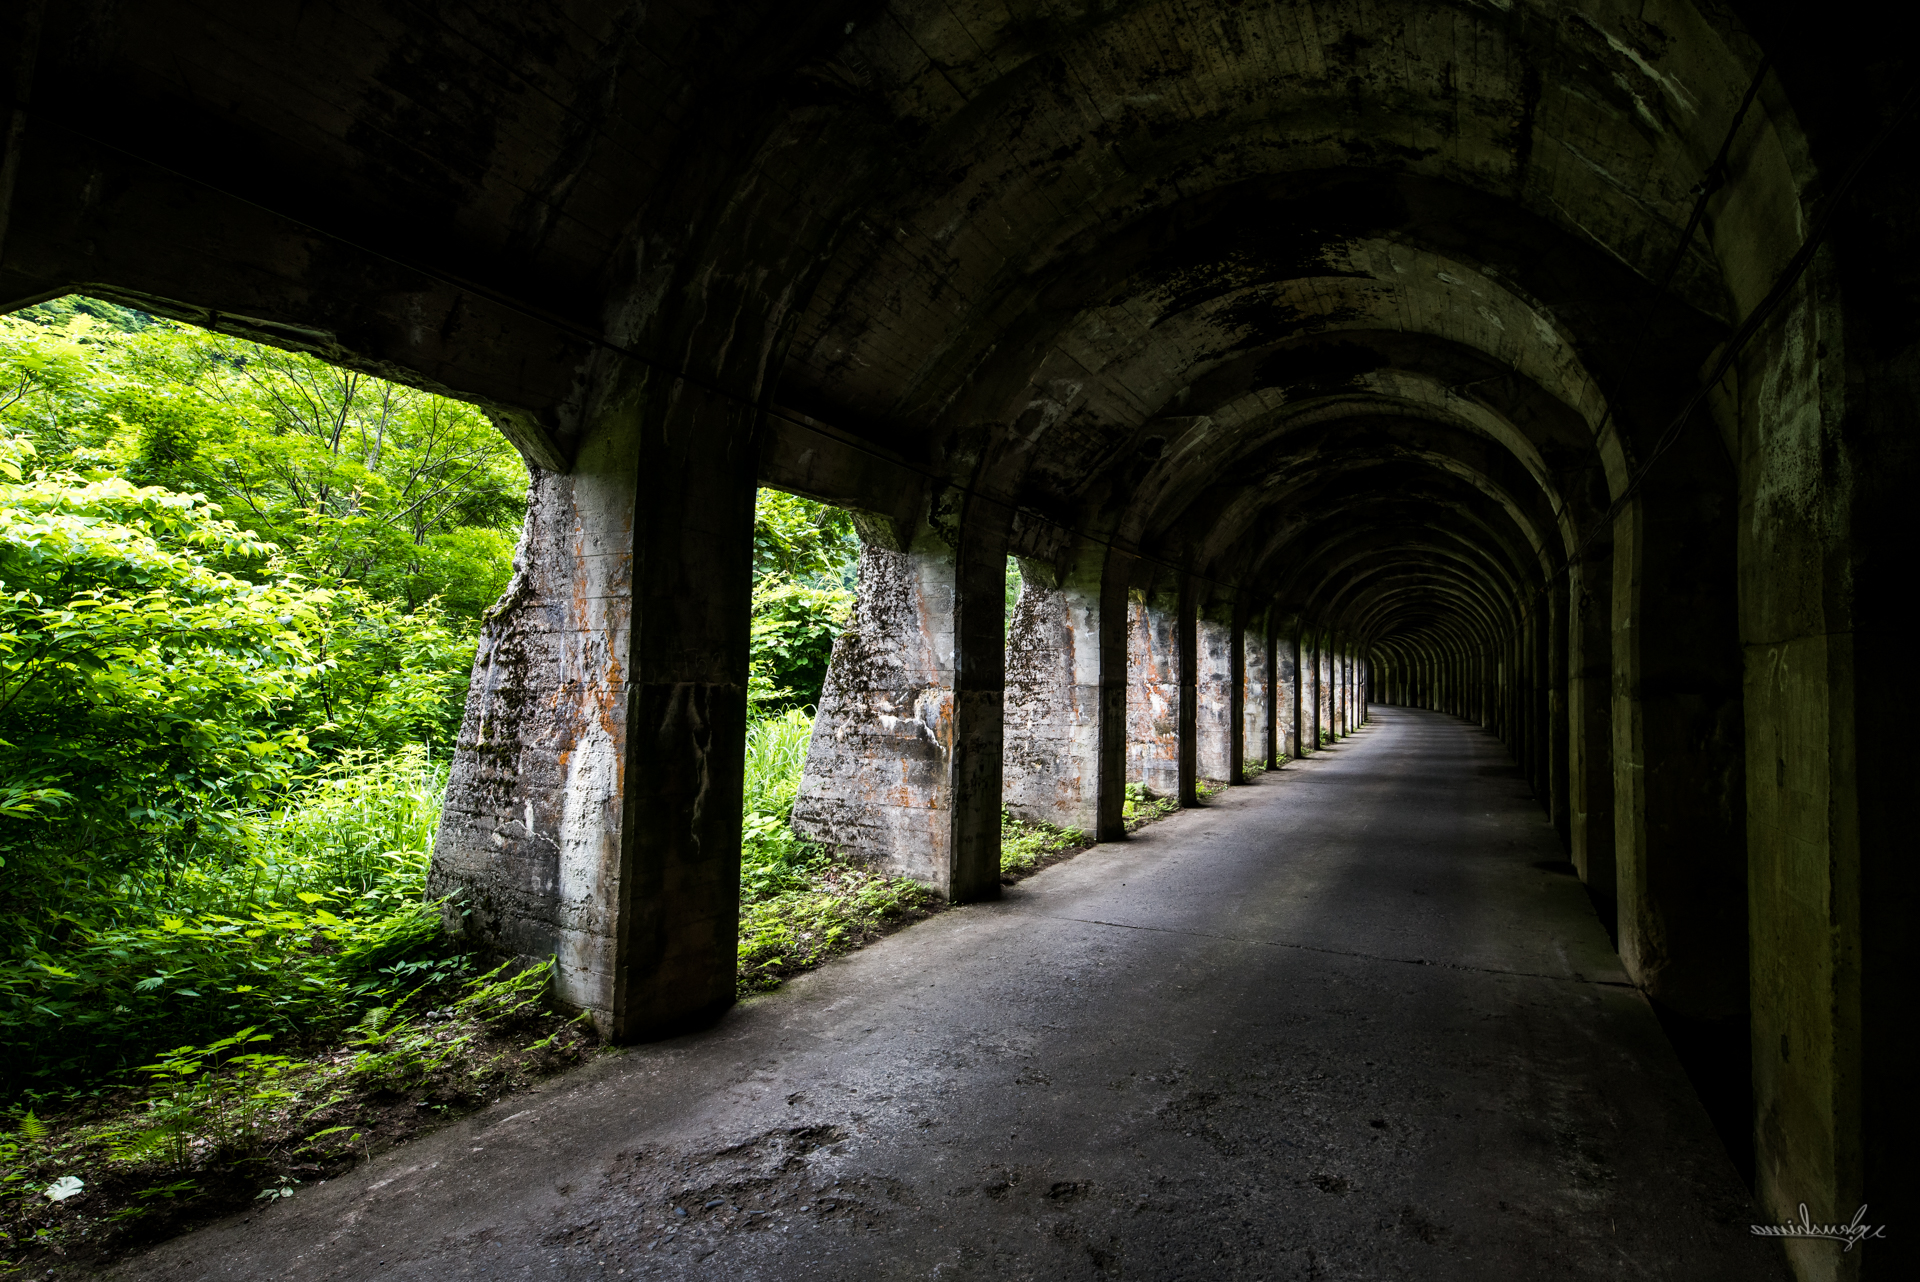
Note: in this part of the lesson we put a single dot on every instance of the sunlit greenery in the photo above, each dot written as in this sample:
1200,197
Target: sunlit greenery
411,496
239,595
240,591
805,556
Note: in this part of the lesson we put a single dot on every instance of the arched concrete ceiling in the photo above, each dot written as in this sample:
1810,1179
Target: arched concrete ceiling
1214,281
1201,279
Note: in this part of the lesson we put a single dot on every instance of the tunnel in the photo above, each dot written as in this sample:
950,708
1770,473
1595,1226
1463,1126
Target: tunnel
1548,368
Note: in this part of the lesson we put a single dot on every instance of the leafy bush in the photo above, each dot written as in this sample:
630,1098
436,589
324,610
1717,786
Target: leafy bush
774,858
322,918
804,560
140,688
351,478
1144,805
791,643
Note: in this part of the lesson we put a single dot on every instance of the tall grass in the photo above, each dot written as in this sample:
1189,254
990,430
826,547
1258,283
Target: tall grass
773,858
313,915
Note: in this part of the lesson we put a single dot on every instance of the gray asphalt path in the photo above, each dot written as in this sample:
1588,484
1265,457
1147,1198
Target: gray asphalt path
1352,1021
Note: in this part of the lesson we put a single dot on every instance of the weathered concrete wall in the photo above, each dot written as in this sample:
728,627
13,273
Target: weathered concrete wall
1214,695
1153,692
579,719
885,780
1328,724
878,780
1559,763
1679,800
1590,732
1052,755
1832,1092
1287,693
1309,657
1256,698
1343,689
529,845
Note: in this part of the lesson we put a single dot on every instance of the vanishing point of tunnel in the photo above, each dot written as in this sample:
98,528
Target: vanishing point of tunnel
1499,415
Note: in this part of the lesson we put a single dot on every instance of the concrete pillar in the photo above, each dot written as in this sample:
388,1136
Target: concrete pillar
1530,700
1215,694
1271,733
1523,701
1323,688
1188,640
593,808
1051,767
1542,705
1237,674
1558,746
1330,656
1153,691
1256,697
1504,679
1589,729
1292,677
904,769
1483,686
1826,583
1679,806
1309,693
1346,690
1115,684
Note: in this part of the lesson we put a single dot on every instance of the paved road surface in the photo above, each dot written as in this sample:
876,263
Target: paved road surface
1351,1022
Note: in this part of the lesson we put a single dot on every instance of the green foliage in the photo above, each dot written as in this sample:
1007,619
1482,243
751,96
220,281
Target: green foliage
799,539
350,477
221,1093
1025,845
1014,584
217,1127
391,676
140,688
321,918
1143,805
805,556
401,1051
793,627
798,906
62,311
773,858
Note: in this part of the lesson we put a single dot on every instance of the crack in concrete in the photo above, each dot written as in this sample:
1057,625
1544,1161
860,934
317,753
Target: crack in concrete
1575,978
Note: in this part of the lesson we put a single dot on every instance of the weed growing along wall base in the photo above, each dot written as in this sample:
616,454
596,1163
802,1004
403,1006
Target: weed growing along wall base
216,1128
